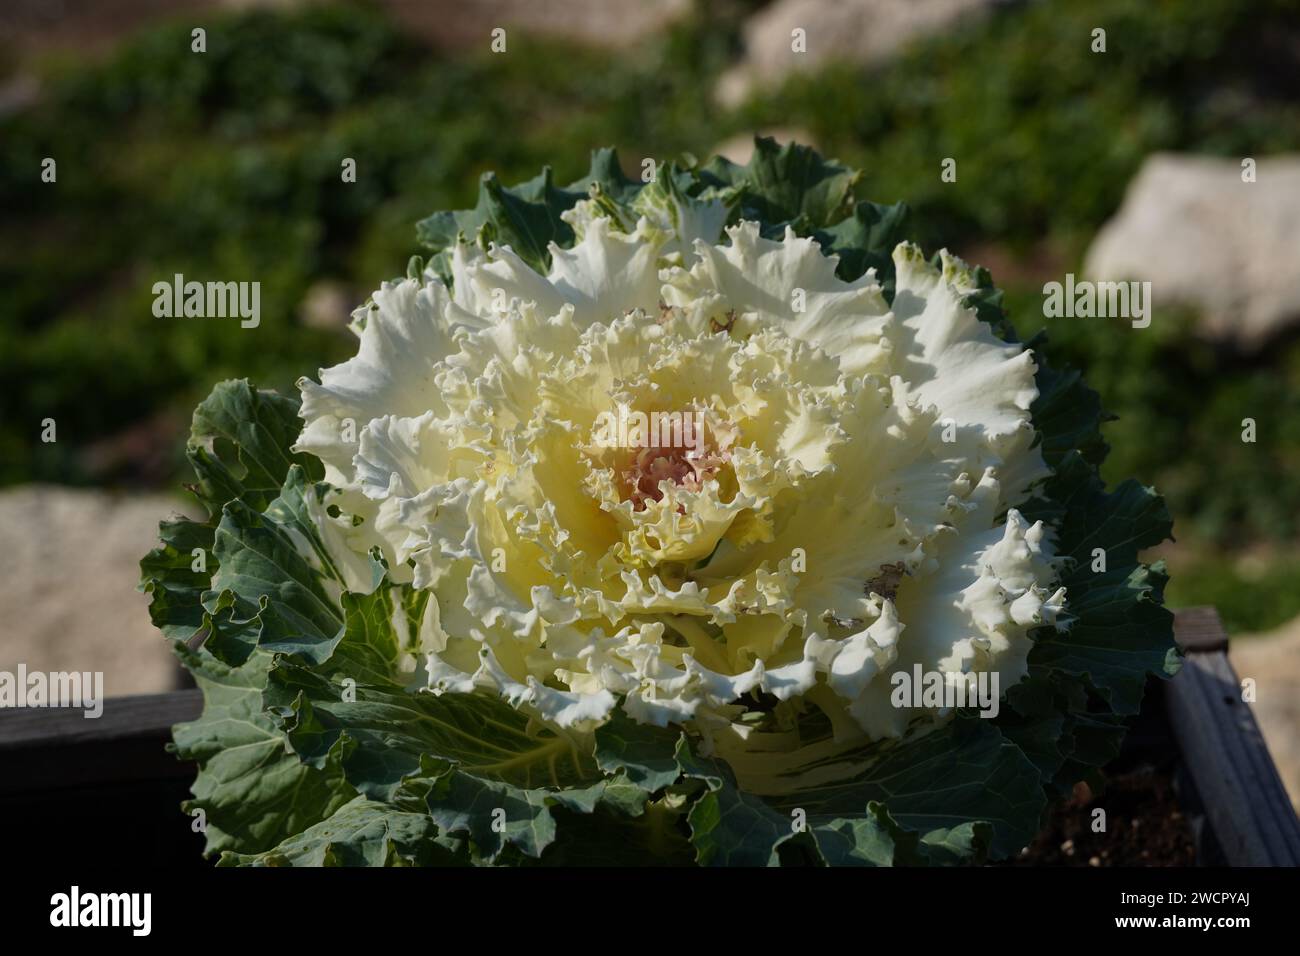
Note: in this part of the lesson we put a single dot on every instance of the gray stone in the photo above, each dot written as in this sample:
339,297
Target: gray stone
69,565
1207,240
327,304
852,31
457,24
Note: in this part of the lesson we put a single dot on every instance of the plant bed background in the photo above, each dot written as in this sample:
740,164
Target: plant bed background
1193,784
244,142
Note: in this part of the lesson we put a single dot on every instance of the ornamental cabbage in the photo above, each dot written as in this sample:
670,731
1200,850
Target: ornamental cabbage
628,534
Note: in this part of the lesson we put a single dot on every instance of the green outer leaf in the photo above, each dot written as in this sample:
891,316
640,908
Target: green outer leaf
606,173
240,444
493,814
645,754
656,837
1121,633
167,575
780,184
968,843
730,827
525,217
869,840
252,789
367,649
360,833
790,184
278,596
891,813
1067,414
391,727
475,754
877,839
1094,741
1043,738
239,448
963,773
866,240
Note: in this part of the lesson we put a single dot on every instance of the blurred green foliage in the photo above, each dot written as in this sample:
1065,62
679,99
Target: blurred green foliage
226,166
1253,594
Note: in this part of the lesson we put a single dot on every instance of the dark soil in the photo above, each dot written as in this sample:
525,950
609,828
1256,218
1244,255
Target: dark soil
1144,826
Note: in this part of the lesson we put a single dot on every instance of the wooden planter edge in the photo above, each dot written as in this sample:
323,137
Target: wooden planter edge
1223,751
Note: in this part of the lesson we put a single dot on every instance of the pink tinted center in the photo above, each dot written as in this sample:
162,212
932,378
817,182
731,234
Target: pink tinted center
682,466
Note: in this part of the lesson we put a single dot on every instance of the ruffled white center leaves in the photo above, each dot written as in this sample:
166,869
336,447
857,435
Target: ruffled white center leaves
848,510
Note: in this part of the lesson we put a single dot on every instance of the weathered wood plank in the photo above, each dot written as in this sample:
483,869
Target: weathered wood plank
50,748
1224,752
122,717
1199,629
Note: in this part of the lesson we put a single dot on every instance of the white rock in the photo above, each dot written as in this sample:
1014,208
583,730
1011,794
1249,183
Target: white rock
853,31
1204,238
327,305
458,24
69,565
